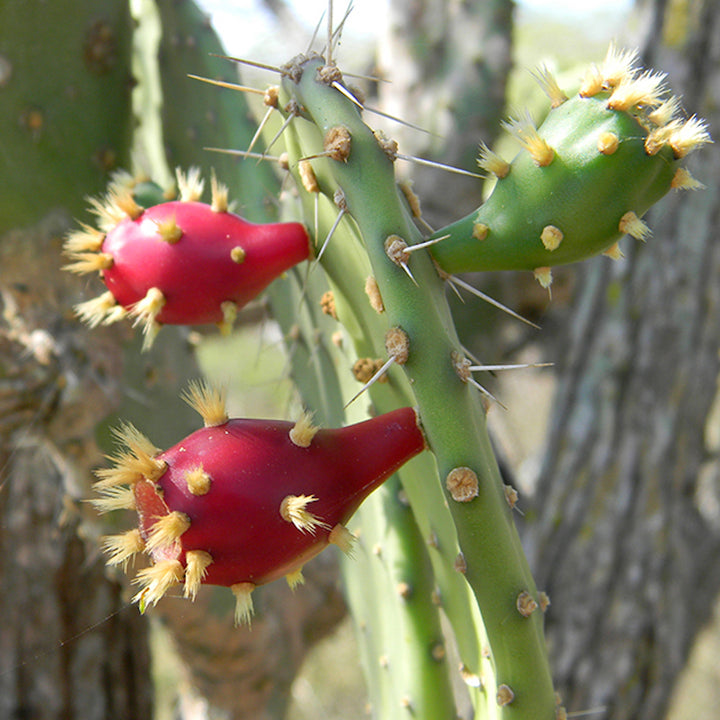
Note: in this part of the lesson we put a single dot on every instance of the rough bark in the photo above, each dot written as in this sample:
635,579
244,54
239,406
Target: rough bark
625,531
69,645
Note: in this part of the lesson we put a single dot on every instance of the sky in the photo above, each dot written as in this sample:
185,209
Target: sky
242,22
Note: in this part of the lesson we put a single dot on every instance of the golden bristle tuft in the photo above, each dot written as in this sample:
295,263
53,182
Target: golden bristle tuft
544,276
631,224
683,180
665,112
689,136
167,530
198,481
549,84
190,184
208,401
219,195
107,212
115,497
124,201
643,91
229,312
592,82
491,162
614,252
145,312
121,549
88,239
303,431
156,580
343,538
618,66
196,565
89,262
131,465
98,310
293,510
243,602
525,131
169,231
295,578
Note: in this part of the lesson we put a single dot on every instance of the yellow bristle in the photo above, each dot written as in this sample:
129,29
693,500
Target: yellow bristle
614,252
145,312
544,276
683,180
548,83
208,401
665,112
156,580
107,212
689,136
219,195
618,66
293,509
137,463
167,530
196,565
343,538
642,91
303,431
631,224
491,162
86,240
295,578
243,602
229,312
198,481
308,177
480,231
592,82
190,185
122,548
525,131
169,231
115,497
124,200
89,262
96,311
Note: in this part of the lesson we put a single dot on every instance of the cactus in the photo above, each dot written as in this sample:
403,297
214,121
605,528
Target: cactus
441,531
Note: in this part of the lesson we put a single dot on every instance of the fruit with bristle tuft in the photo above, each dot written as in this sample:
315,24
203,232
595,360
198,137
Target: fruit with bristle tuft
593,168
239,503
181,262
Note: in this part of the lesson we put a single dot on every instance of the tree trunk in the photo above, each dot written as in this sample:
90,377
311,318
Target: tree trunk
70,647
625,531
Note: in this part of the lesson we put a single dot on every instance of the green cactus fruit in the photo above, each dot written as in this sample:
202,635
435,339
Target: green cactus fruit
180,262
241,502
584,178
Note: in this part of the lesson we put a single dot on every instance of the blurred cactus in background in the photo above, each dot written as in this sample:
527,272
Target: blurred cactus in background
289,200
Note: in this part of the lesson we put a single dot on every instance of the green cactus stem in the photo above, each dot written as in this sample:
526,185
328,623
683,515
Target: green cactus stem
68,118
451,409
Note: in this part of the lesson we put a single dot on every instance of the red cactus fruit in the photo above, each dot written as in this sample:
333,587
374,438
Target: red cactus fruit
243,502
181,262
